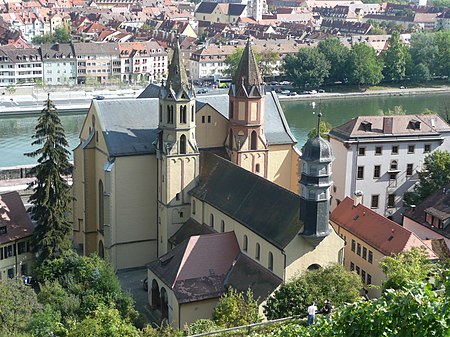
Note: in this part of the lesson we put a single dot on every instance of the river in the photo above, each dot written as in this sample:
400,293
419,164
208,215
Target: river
16,132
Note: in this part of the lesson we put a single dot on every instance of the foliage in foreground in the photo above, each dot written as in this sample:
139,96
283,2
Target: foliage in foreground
332,282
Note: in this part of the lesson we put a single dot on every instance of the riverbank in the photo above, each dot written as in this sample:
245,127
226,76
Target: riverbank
367,93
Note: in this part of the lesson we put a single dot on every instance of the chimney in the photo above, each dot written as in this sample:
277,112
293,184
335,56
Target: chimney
358,198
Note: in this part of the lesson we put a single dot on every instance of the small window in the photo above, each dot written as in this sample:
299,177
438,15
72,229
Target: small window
394,165
352,266
270,262
377,171
378,150
394,149
427,148
411,148
369,279
361,151
363,276
257,168
353,245
358,270
358,249
222,226
409,170
203,119
393,176
364,253
209,119
245,244
360,173
258,252
177,196
391,200
374,201
193,206
370,258
211,220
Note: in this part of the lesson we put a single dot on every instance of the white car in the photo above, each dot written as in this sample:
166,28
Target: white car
285,92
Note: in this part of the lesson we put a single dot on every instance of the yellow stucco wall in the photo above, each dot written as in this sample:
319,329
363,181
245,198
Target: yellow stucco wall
15,262
213,133
191,312
283,167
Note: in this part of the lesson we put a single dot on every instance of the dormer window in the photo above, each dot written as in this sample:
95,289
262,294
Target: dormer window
3,230
414,124
366,126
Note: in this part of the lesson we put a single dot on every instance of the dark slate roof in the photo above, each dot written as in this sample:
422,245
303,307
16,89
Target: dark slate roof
150,91
247,273
130,127
235,9
247,75
317,150
57,51
437,204
234,190
206,7
188,229
276,127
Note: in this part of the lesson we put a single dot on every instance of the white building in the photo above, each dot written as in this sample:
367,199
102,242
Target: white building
60,64
210,61
380,156
20,66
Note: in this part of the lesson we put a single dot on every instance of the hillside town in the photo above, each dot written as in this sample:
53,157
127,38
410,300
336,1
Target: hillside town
205,193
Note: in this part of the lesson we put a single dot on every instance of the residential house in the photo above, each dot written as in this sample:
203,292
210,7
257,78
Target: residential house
369,238
20,66
443,20
431,218
208,62
220,12
60,64
16,230
380,156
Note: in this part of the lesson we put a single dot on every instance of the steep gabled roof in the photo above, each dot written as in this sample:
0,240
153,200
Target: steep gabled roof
376,230
265,208
14,216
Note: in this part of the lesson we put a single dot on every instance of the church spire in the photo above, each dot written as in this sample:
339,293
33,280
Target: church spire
247,75
177,82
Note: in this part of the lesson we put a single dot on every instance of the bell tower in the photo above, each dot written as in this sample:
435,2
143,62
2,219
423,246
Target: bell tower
315,184
246,143
177,151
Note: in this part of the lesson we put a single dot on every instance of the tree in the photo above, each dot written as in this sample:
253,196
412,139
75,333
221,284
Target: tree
442,40
17,304
324,127
435,174
59,36
266,62
337,54
395,59
235,309
410,266
424,51
50,198
308,68
420,73
332,282
364,68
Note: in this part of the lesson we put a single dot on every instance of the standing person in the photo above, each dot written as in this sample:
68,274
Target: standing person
311,314
327,307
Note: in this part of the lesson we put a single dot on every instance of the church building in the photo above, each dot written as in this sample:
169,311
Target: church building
202,190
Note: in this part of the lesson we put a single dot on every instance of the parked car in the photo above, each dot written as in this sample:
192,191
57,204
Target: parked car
285,92
306,92
285,83
313,92
320,91
99,97
278,90
292,93
274,83
202,91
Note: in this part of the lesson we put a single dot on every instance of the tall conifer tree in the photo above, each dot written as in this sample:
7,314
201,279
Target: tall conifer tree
50,196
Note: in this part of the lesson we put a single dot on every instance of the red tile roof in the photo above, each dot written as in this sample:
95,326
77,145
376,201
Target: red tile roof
14,216
376,230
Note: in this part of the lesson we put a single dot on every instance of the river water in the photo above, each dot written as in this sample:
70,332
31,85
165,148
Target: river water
16,132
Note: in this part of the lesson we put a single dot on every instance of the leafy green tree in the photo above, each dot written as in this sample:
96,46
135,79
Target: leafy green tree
395,59
337,54
66,304
307,68
51,197
266,62
439,3
59,36
442,40
201,326
17,304
435,174
424,51
235,309
105,321
420,73
364,67
332,282
47,322
410,266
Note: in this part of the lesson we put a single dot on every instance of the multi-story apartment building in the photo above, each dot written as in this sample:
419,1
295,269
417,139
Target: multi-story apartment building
60,63
210,61
20,66
16,230
370,237
379,157
95,62
141,61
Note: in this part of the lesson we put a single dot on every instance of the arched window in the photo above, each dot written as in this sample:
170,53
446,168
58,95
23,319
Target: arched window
394,165
230,140
171,114
253,140
164,304
192,113
183,114
156,296
183,144
168,114
193,206
257,168
211,220
270,262
245,244
101,249
101,207
258,251
222,226
231,110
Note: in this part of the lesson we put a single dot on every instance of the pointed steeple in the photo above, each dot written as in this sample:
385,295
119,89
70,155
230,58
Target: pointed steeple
177,80
247,74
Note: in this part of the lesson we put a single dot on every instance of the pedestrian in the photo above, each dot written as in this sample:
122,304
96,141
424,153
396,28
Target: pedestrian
311,314
327,307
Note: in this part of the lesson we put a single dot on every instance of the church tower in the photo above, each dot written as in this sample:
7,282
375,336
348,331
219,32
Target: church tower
177,151
315,184
246,143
